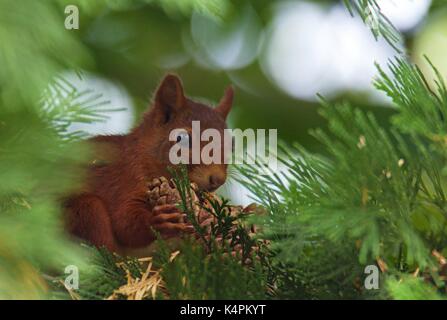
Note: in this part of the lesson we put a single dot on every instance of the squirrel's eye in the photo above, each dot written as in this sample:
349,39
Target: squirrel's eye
183,139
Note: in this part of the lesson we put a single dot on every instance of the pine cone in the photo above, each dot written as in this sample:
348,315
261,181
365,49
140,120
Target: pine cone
163,191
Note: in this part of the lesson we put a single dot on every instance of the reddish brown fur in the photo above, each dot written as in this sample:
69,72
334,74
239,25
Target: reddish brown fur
112,209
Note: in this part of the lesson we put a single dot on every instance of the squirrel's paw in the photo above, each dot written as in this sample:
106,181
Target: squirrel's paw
169,221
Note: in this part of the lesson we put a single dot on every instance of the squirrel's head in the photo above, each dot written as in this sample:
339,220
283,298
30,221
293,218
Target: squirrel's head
170,122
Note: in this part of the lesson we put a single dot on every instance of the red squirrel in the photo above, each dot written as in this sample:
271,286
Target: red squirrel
111,210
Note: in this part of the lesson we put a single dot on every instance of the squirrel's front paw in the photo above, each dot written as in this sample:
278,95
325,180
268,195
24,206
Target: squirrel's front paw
169,221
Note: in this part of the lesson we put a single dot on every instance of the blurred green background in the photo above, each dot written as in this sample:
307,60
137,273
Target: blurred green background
278,55
234,42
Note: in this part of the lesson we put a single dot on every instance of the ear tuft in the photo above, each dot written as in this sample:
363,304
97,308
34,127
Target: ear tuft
225,104
170,96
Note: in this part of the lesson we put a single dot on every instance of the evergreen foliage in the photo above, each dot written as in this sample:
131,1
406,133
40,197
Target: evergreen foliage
378,23
35,164
380,191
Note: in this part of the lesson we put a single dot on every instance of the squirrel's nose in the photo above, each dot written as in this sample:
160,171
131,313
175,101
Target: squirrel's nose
215,181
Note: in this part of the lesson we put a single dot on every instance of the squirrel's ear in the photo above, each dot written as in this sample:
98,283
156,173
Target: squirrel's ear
169,96
226,102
